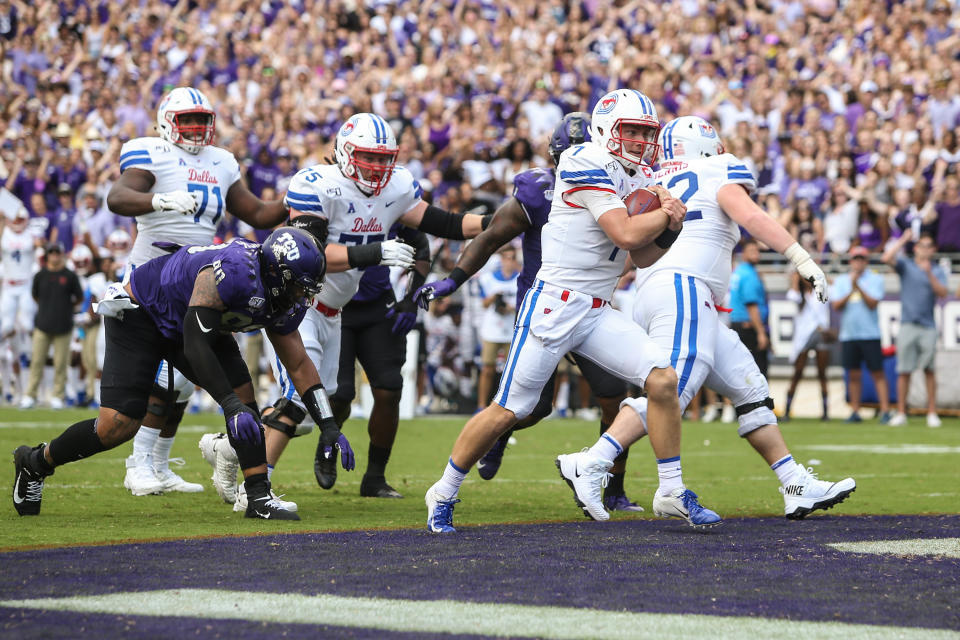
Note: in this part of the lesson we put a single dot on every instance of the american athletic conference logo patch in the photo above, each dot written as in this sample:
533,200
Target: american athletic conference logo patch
607,104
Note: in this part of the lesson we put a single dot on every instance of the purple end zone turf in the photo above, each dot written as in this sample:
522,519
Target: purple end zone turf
753,567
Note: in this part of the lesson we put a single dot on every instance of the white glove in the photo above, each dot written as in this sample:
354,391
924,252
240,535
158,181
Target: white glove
808,269
394,253
185,202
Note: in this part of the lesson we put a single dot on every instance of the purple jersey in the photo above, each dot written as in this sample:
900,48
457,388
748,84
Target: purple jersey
533,189
163,287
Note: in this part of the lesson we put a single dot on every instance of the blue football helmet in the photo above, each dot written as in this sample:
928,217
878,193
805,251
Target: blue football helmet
573,129
292,265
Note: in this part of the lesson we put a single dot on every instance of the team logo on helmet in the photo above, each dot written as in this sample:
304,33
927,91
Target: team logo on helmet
347,128
707,131
607,104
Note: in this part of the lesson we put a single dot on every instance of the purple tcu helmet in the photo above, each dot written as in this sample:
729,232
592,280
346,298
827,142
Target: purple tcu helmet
292,265
573,129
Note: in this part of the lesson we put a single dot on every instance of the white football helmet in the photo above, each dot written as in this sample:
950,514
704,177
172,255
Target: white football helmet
192,136
689,137
119,242
370,135
82,259
625,107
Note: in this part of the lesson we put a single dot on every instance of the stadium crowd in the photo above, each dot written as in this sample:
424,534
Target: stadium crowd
847,113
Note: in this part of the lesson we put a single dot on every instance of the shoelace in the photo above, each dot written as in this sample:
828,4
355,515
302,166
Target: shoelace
34,491
180,462
593,470
690,502
443,514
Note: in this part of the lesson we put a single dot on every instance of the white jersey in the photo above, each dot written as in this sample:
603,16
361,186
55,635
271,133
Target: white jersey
209,173
577,253
354,217
18,255
706,243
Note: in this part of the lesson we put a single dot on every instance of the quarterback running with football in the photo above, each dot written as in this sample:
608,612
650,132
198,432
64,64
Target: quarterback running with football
353,204
585,243
184,307
677,306
523,216
178,187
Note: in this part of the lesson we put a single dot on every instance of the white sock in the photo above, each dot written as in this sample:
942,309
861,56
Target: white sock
161,453
785,468
269,472
449,484
671,475
563,396
145,441
607,447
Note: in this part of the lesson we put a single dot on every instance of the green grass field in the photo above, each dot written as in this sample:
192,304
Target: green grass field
910,470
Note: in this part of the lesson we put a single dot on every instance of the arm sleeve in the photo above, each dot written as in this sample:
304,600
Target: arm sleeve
201,330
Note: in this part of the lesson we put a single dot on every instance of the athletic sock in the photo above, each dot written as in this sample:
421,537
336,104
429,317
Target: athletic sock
824,399
615,487
785,468
144,442
79,441
607,447
671,475
563,397
448,486
377,458
269,472
786,411
161,453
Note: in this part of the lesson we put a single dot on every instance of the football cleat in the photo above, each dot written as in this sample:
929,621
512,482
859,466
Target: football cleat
140,478
377,487
241,502
27,484
173,482
587,475
806,493
262,504
489,464
217,451
325,469
439,512
621,503
683,503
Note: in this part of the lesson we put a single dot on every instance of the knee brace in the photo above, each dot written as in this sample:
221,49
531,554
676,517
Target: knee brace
754,415
284,408
175,414
157,408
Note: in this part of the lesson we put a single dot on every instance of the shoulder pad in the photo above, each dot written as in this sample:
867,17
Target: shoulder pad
139,153
530,187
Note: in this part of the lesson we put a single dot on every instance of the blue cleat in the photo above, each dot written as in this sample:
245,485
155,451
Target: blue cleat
439,512
682,503
620,502
489,464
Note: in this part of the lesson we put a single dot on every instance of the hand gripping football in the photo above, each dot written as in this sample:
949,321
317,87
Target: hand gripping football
641,201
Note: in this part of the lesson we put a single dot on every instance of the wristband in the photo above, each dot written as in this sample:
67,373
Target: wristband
666,239
364,255
459,276
318,404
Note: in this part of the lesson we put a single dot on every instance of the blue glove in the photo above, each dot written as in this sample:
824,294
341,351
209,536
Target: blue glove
242,423
433,290
406,319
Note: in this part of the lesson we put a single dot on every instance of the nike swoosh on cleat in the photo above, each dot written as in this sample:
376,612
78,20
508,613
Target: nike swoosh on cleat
17,499
265,516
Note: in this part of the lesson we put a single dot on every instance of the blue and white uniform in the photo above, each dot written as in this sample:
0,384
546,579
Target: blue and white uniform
209,173
567,307
677,297
354,218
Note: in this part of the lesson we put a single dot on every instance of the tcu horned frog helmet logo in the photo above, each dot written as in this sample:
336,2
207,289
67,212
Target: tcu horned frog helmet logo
366,152
292,267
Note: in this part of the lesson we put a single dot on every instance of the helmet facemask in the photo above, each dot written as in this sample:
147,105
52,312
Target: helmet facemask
635,141
191,136
371,169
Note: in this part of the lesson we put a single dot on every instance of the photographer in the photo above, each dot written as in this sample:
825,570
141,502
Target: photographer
499,292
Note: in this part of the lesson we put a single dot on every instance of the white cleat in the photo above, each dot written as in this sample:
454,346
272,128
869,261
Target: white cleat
683,503
241,502
587,476
140,479
220,455
173,482
439,511
806,493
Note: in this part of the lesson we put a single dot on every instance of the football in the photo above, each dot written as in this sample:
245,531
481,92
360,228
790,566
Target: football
641,201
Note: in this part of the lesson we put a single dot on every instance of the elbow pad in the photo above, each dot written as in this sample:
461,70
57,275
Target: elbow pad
442,224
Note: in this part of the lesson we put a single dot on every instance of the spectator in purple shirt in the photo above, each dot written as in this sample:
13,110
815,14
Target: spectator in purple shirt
28,179
62,219
948,215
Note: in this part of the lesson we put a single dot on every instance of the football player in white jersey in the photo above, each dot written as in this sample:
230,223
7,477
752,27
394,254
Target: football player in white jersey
18,258
585,243
351,205
178,187
676,303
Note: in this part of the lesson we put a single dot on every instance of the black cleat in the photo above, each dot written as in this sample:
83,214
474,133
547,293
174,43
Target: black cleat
262,504
325,469
377,487
27,484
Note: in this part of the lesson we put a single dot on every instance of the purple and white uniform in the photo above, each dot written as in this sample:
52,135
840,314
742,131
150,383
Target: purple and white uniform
163,287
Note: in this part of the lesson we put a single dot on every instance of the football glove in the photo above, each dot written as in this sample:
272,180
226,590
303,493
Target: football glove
808,269
242,423
434,290
184,202
405,314
394,253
